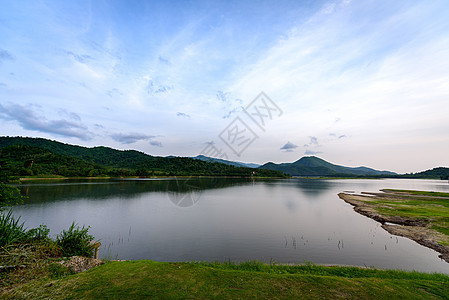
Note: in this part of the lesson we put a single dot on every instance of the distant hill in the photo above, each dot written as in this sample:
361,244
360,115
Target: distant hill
226,162
100,155
25,160
435,173
314,166
56,158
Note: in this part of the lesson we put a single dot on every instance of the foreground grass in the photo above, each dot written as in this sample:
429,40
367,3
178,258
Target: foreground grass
142,279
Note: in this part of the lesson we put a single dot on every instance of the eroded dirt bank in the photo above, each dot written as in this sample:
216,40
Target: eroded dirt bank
415,229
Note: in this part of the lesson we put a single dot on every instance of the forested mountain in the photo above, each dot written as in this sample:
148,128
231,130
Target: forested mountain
435,173
314,166
25,160
100,155
226,162
37,156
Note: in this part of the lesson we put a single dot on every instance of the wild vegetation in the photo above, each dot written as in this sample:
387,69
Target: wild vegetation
26,254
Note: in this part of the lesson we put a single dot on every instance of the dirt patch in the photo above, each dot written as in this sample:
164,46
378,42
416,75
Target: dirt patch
80,263
423,236
415,229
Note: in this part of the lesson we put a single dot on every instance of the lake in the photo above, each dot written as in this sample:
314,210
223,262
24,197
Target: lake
211,219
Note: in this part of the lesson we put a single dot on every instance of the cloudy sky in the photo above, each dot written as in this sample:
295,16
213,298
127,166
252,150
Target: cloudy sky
353,82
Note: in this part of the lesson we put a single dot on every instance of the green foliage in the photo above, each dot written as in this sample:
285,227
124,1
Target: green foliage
435,173
58,271
26,160
41,157
9,195
39,233
75,241
11,230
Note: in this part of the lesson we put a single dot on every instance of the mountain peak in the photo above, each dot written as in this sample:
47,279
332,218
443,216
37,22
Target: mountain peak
315,166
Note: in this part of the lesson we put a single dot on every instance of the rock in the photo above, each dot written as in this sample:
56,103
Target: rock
80,263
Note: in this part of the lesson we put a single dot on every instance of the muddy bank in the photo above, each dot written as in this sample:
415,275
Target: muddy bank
417,230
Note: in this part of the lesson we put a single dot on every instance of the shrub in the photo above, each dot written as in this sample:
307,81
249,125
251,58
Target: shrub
75,241
9,195
11,231
58,271
39,233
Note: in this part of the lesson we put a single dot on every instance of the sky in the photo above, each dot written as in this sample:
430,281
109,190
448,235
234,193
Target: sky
357,83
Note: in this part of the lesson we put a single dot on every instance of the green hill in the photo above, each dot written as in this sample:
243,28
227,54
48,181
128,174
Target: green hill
226,162
25,160
314,166
99,155
435,173
56,158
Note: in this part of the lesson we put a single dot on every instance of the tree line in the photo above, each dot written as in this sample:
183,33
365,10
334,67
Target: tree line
24,160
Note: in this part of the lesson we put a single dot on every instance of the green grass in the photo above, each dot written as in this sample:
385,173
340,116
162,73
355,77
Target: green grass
431,207
144,279
425,193
11,229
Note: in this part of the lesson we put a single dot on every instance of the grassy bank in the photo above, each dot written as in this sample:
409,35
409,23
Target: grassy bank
142,279
418,215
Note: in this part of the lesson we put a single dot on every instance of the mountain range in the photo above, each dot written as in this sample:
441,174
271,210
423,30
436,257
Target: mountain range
311,166
53,157
22,156
314,166
226,162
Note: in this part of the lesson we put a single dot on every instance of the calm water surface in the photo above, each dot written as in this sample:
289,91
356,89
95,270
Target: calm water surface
288,221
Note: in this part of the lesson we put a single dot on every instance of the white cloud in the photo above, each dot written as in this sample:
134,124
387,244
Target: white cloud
375,72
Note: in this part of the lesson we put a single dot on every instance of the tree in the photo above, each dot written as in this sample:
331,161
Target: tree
9,195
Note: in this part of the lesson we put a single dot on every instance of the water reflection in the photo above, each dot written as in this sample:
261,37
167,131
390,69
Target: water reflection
178,188
313,187
181,219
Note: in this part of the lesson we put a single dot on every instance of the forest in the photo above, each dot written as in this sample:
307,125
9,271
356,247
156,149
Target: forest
20,157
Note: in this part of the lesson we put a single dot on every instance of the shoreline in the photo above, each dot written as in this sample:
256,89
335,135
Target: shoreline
138,177
411,228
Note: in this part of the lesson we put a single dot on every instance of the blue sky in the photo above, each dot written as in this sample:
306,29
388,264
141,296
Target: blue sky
356,82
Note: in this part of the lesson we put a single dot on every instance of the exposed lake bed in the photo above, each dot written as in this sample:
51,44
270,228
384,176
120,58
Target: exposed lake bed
420,216
191,219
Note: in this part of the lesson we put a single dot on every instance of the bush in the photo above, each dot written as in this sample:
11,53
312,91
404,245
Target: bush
9,195
11,231
58,271
76,241
39,233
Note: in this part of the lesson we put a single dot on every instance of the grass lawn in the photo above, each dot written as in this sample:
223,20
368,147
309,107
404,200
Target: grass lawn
143,279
